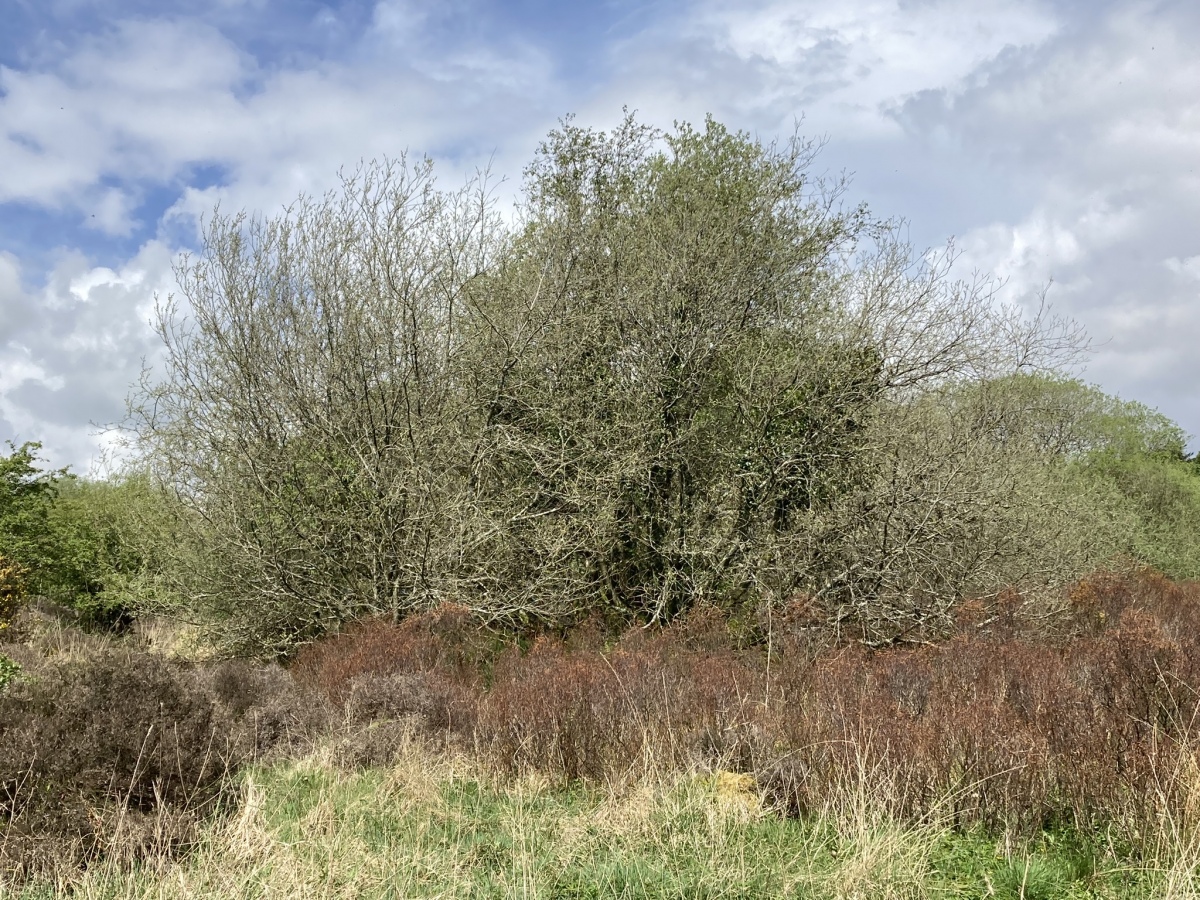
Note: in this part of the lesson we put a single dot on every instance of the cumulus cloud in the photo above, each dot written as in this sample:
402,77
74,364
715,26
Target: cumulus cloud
1102,124
147,103
842,65
130,104
148,100
74,347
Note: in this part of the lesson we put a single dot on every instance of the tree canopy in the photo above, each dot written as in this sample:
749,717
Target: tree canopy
684,371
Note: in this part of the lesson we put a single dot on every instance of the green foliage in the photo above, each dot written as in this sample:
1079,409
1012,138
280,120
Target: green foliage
687,398
1162,494
27,494
12,591
1125,461
109,536
1121,464
10,671
91,545
315,467
684,374
1079,420
1140,456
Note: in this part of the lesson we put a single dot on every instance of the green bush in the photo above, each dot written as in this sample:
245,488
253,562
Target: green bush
27,494
10,671
1124,463
93,546
1163,495
104,566
1134,462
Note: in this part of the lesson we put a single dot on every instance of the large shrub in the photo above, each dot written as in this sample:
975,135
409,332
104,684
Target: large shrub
684,372
115,753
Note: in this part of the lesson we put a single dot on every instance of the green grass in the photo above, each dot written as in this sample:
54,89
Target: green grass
439,826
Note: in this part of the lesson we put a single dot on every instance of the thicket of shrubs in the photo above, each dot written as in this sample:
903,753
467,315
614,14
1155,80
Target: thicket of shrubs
97,547
685,372
113,752
1005,724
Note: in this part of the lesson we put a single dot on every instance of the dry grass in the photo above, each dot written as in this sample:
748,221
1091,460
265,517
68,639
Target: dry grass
1003,761
439,824
447,825
173,639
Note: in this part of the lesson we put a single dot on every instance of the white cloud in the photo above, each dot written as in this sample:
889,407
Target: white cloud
1188,268
150,100
842,65
82,340
113,213
1054,243
147,102
1102,125
136,103
867,54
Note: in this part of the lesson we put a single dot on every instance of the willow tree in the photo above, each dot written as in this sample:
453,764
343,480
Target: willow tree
664,381
683,370
701,377
307,419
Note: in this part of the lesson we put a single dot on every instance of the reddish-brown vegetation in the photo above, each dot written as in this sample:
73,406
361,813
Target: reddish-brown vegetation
1011,722
1007,722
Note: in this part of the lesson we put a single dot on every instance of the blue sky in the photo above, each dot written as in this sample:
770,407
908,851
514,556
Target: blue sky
1055,141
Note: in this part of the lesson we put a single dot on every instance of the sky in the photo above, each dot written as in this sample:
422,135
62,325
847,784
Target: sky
1057,142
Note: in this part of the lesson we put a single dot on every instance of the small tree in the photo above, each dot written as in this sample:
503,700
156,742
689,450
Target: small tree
1136,457
27,494
309,423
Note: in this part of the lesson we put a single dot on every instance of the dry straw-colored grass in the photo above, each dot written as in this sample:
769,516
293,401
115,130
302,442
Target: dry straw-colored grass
309,828
1002,762
439,823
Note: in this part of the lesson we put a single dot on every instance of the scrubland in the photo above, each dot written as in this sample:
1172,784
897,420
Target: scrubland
686,533
714,757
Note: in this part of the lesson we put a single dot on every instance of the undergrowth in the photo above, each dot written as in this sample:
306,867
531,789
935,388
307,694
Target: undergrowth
433,757
437,825
1005,724
113,753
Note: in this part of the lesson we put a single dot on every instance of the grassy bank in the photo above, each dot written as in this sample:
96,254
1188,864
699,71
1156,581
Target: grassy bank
434,824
